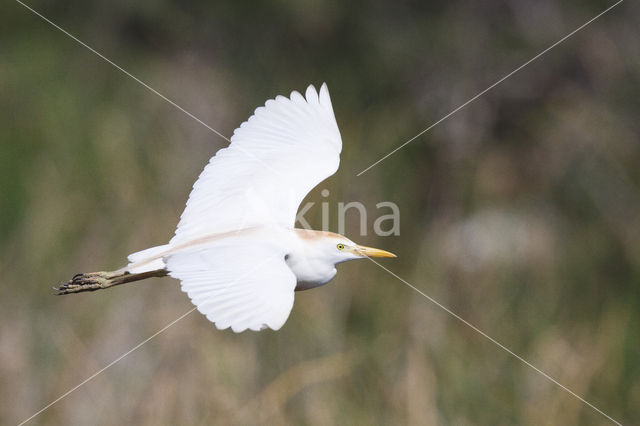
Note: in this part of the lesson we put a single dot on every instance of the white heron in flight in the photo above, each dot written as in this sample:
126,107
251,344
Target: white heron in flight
235,250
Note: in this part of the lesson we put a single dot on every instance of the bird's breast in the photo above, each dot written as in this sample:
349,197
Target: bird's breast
310,273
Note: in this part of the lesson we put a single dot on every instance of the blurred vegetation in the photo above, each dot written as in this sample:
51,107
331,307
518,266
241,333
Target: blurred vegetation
521,213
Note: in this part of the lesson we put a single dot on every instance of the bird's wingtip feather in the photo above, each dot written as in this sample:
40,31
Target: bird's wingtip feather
312,94
324,97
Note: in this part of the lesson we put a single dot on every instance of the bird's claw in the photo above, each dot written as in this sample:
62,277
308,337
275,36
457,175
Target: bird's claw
83,282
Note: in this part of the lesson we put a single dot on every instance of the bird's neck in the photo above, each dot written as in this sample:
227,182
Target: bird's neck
308,262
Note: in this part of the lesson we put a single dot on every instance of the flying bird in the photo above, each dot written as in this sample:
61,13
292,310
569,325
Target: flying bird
236,251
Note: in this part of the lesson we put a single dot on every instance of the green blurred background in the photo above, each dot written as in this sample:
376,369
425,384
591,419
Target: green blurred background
521,213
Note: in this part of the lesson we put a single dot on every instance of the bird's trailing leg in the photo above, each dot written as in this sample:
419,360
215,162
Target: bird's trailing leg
92,281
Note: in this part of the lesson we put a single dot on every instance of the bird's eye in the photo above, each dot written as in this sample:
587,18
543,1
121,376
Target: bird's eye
340,246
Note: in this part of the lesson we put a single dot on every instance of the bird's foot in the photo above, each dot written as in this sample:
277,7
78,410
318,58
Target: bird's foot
90,281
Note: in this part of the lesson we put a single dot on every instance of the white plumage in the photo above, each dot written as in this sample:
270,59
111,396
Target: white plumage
240,281
235,249
276,157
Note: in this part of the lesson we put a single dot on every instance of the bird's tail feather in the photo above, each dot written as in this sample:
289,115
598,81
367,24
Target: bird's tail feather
147,260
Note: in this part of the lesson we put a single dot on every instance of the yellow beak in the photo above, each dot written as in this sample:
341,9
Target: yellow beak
372,252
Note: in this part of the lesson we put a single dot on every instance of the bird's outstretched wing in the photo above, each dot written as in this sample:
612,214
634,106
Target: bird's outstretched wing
275,158
240,282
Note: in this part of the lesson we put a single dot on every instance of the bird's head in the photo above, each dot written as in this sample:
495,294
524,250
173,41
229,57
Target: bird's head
337,248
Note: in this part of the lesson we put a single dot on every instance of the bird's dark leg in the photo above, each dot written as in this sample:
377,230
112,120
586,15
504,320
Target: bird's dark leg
93,281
